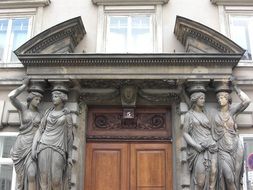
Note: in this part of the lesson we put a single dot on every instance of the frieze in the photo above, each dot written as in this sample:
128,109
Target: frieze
167,96
144,84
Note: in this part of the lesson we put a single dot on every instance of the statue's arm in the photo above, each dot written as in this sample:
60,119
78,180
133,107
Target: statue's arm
36,138
14,93
245,101
70,137
190,141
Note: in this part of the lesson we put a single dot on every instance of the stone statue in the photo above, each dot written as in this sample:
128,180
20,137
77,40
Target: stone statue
21,151
230,154
201,148
53,142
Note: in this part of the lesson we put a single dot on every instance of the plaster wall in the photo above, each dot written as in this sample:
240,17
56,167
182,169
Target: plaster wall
59,11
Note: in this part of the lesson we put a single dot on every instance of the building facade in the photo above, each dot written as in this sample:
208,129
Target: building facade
129,68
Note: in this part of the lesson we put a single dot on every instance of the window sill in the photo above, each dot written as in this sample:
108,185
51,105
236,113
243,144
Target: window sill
11,65
232,2
245,64
129,2
4,4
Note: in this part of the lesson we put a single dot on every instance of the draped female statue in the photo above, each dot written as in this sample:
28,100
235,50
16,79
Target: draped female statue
21,151
230,154
53,144
201,149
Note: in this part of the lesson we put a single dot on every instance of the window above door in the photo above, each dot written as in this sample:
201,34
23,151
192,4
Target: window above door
129,29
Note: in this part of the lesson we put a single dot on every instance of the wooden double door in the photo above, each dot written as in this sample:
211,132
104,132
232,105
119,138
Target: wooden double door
128,166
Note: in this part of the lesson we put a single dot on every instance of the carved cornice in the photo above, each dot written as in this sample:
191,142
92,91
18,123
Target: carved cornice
198,38
62,38
232,2
7,4
43,60
129,2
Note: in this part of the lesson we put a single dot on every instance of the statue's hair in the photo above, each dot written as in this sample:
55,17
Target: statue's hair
194,97
226,95
32,95
62,95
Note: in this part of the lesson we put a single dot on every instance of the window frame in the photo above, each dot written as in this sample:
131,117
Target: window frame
228,11
155,11
8,161
29,13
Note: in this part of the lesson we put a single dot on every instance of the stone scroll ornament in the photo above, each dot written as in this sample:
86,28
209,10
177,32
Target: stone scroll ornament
225,132
201,147
21,151
52,145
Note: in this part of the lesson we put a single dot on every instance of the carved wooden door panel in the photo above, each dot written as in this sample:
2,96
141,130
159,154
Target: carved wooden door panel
107,166
151,167
128,166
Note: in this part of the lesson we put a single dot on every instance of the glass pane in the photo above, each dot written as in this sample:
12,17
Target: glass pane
248,143
3,34
6,142
117,35
20,34
5,176
240,33
141,34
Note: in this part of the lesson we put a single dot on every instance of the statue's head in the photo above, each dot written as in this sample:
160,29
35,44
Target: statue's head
34,98
197,98
59,94
223,98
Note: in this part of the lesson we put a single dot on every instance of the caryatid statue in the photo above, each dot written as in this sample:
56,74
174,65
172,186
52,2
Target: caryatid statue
201,147
231,152
21,151
52,146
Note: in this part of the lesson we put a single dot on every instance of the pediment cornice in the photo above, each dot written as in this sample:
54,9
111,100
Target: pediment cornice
198,38
61,38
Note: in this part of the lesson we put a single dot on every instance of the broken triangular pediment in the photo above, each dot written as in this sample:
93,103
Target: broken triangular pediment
198,38
61,38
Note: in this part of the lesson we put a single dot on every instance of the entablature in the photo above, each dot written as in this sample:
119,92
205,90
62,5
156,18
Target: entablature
130,66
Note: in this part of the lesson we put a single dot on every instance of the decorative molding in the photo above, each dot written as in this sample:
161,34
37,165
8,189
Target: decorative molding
62,38
129,2
129,59
148,124
11,4
141,121
232,2
198,38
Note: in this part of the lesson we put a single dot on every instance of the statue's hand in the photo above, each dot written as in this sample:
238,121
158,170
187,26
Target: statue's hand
70,162
199,148
34,155
26,81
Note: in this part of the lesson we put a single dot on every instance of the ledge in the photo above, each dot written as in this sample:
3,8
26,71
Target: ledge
4,4
232,2
129,2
